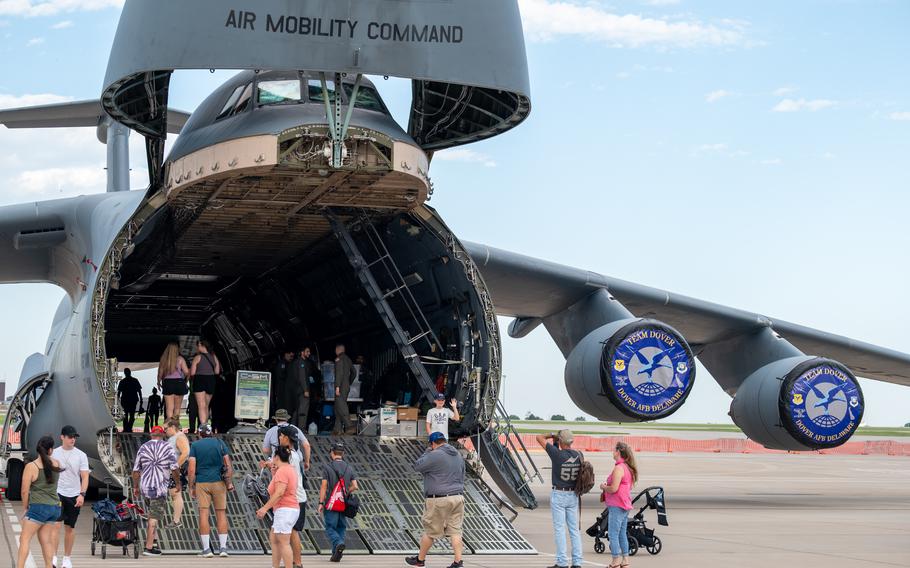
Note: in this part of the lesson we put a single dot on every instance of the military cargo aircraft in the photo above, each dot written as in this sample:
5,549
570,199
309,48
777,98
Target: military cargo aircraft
293,207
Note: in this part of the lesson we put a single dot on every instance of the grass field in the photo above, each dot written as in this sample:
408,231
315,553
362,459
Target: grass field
534,426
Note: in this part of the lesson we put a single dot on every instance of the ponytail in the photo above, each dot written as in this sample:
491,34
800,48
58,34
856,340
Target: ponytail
625,452
45,447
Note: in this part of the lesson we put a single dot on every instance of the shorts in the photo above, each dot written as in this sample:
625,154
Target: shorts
69,511
443,516
301,518
43,514
157,509
173,387
284,521
204,383
212,492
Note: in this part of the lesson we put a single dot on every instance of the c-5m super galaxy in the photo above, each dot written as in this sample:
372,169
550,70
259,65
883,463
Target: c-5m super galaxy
292,206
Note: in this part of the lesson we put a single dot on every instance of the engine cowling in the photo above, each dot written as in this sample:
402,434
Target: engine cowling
630,370
799,403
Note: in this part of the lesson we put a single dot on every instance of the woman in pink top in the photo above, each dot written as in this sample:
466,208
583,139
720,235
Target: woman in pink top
283,503
617,496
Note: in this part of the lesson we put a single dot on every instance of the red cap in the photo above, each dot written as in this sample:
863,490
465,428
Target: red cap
157,430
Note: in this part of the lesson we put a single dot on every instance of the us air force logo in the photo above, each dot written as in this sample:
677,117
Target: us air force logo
825,405
650,371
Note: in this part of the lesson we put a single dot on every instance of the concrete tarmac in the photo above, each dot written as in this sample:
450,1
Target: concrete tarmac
725,510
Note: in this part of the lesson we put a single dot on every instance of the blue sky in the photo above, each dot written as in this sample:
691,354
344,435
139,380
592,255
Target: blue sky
752,154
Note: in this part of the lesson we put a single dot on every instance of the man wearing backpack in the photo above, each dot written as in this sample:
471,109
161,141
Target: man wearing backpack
564,502
338,482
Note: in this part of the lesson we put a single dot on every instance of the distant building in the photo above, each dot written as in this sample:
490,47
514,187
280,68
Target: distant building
2,391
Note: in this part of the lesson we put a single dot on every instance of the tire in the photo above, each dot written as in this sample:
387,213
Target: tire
599,547
135,551
103,551
633,546
93,548
14,469
655,547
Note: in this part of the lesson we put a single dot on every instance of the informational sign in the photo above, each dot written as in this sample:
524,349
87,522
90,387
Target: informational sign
252,398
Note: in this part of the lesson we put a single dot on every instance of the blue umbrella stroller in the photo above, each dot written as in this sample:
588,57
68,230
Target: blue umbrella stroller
639,533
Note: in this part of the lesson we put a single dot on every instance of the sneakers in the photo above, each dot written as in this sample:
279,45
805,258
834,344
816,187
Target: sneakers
414,561
557,566
459,564
175,525
223,553
207,553
336,556
151,552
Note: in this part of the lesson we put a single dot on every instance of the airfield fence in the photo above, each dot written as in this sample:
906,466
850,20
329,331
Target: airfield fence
663,444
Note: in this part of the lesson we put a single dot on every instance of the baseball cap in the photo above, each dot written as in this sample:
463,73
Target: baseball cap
437,437
204,430
338,448
440,396
566,436
157,430
69,432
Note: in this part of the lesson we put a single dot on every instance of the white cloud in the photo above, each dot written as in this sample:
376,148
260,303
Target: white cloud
465,155
783,91
662,2
899,116
57,180
772,162
792,105
62,25
827,156
34,41
548,19
715,96
34,8
710,148
623,75
12,101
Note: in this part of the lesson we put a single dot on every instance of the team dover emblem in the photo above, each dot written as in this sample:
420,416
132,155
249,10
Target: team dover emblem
825,404
651,371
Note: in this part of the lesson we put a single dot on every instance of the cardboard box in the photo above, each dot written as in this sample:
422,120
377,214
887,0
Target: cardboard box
408,413
388,430
388,415
408,428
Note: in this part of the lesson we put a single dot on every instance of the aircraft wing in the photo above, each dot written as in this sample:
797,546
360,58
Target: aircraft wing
527,287
74,114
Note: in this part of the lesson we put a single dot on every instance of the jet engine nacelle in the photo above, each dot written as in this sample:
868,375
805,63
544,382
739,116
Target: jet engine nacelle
630,370
799,403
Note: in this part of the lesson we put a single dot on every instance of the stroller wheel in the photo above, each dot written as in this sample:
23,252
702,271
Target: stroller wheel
655,547
633,546
103,551
599,547
93,548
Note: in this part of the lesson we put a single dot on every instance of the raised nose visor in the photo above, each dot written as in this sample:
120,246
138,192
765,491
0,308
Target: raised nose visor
291,171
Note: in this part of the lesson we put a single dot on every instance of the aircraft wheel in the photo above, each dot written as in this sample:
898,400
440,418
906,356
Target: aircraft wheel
633,546
655,548
599,547
14,470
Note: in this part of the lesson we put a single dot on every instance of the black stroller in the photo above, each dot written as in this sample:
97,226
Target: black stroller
115,525
639,533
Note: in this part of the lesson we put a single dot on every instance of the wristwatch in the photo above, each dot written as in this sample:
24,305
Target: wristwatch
82,493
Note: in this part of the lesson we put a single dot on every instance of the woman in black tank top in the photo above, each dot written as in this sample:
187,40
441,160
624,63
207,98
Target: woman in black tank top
203,371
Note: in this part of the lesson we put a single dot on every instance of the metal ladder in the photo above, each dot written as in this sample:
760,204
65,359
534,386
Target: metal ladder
380,297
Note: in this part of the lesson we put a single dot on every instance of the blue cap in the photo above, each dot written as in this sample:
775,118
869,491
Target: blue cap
440,396
437,437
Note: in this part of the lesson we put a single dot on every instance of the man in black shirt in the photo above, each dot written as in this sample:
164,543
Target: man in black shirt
563,501
302,376
129,391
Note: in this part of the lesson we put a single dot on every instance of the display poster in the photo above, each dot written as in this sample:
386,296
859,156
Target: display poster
252,398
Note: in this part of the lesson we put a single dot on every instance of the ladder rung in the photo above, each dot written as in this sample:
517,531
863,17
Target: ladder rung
418,337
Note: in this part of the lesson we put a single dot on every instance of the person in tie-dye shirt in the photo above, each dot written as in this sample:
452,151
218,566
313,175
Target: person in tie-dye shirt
155,463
